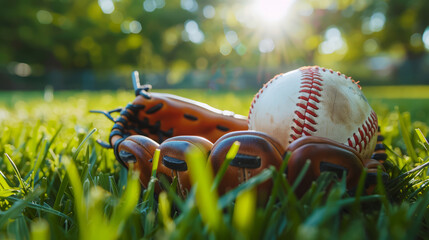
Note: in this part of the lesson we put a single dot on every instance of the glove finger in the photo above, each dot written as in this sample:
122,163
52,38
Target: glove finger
324,155
139,150
173,158
371,178
257,152
380,150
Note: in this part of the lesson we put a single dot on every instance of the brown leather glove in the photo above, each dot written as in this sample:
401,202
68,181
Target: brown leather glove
326,155
173,157
154,117
161,116
257,152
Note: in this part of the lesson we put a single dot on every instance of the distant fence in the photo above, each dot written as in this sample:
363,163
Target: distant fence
217,79
233,79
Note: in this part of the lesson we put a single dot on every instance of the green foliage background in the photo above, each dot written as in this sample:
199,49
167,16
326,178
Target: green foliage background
74,44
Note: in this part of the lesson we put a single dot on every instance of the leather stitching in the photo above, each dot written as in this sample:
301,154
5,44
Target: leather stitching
304,121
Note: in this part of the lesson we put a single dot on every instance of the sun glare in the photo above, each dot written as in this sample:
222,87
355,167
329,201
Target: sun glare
270,11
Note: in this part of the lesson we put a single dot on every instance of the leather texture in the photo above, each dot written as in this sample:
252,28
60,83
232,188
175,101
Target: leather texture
174,125
139,151
161,116
257,152
173,157
324,155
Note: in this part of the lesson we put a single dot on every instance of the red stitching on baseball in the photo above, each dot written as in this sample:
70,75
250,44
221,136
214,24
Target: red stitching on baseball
296,130
300,115
309,127
310,89
301,105
312,113
311,82
313,106
306,133
298,123
310,97
311,120
370,127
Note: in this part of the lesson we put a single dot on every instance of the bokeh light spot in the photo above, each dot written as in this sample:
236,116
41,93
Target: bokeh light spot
209,11
22,70
370,46
106,6
44,17
425,38
225,49
333,41
266,45
232,38
189,5
241,49
152,5
194,34
149,5
135,26
416,40
376,23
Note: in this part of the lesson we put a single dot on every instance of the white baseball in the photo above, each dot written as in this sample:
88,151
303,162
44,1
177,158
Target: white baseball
314,101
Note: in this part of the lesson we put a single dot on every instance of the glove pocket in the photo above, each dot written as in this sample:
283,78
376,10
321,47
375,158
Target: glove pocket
257,152
173,159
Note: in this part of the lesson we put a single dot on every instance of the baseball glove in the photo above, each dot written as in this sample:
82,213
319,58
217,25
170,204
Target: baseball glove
174,124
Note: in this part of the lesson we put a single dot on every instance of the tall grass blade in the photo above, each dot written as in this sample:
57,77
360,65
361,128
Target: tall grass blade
164,210
79,201
126,205
301,174
207,200
17,174
5,189
149,194
229,157
83,143
230,196
404,126
244,211
60,193
40,230
17,208
41,208
4,181
422,138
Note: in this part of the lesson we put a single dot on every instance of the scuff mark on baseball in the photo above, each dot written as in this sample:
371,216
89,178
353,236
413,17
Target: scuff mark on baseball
315,101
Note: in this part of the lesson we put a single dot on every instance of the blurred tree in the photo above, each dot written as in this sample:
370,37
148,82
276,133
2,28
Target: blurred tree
373,39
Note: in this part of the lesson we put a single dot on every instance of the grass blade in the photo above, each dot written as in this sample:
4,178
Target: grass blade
229,197
207,200
17,174
126,205
77,190
244,210
229,157
83,143
404,126
422,138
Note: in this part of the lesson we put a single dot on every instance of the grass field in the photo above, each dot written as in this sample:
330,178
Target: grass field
56,182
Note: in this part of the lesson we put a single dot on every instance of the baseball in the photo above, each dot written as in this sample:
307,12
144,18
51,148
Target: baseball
315,101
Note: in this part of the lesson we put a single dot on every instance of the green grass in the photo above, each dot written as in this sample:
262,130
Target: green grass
57,183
